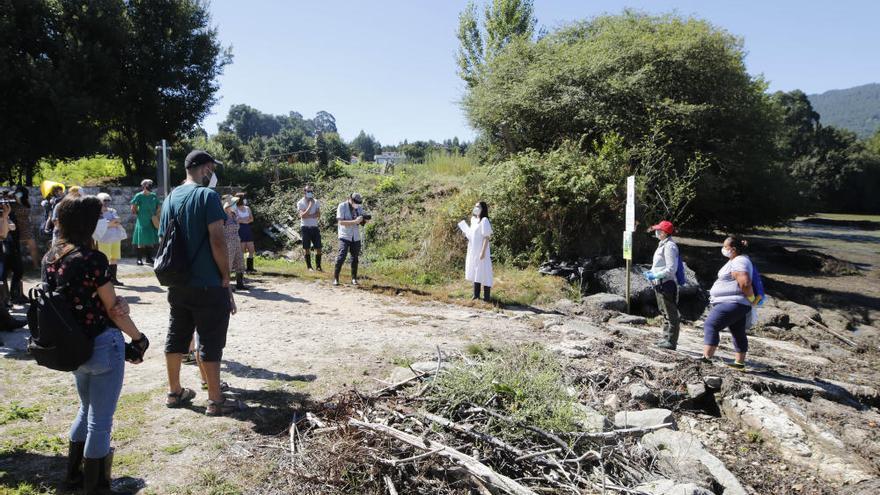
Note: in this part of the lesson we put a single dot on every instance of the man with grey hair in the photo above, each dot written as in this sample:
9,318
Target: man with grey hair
349,217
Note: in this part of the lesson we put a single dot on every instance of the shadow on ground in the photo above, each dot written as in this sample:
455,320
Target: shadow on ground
45,472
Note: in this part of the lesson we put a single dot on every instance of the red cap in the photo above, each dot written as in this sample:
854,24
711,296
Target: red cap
665,226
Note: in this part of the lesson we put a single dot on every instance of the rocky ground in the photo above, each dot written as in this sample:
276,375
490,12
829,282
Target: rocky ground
803,419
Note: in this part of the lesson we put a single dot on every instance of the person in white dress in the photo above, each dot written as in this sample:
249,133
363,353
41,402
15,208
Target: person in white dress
478,264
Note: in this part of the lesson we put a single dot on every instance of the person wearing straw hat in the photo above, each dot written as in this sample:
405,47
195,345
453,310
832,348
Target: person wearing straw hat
233,241
663,276
110,241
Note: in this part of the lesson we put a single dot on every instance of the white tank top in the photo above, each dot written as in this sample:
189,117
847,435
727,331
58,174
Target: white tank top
243,214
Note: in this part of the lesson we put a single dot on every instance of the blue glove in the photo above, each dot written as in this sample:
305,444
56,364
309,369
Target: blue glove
650,276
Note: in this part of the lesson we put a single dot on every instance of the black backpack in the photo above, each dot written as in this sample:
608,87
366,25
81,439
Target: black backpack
57,341
172,263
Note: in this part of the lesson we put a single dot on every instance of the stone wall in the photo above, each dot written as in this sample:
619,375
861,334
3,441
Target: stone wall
121,199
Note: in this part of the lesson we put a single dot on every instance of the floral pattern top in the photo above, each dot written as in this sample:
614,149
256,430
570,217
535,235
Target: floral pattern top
82,272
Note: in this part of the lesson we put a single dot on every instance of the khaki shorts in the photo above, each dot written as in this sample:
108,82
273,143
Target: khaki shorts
112,250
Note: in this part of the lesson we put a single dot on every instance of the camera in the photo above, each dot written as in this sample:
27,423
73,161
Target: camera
367,217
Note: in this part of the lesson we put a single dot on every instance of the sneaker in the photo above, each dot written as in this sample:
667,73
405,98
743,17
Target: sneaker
140,262
189,358
354,281
335,281
737,366
704,360
311,269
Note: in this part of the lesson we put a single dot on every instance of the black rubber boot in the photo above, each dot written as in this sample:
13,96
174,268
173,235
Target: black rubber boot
336,271
97,475
17,293
250,265
309,261
74,478
140,255
487,293
8,323
476,291
318,263
239,282
114,271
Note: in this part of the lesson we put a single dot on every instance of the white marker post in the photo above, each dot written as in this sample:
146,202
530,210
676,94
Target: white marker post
628,233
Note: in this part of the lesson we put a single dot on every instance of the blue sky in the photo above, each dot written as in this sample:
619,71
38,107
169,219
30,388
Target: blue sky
388,66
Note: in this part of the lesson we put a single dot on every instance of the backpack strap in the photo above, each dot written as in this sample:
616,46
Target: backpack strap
177,219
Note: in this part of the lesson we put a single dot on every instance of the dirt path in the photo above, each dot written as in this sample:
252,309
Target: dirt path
291,342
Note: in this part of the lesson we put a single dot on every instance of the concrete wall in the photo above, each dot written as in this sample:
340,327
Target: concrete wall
121,199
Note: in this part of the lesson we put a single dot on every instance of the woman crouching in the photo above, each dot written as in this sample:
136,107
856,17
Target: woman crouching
83,274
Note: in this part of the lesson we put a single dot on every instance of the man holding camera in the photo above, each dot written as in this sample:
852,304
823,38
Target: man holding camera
349,216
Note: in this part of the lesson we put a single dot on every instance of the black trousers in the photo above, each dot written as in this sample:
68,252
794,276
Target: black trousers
346,246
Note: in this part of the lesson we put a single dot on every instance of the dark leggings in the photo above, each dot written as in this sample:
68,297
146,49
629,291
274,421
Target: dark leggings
727,315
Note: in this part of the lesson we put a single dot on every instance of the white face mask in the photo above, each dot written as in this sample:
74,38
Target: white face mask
212,182
657,234
726,252
476,212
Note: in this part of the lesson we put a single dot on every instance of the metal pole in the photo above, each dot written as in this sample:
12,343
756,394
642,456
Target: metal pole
628,275
164,168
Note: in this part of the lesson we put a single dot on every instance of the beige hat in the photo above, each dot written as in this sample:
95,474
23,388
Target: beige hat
229,202
103,196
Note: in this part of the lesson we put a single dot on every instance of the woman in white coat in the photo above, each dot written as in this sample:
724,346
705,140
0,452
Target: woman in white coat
478,265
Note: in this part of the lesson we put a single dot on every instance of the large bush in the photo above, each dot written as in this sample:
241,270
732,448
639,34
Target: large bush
630,75
562,202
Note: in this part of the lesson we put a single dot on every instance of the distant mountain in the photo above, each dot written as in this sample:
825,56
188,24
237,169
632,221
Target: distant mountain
856,109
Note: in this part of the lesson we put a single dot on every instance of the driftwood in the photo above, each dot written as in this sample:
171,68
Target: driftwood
476,468
835,334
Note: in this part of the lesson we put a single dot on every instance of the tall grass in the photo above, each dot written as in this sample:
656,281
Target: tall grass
89,171
440,163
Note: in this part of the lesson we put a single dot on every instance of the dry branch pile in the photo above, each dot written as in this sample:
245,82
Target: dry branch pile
395,441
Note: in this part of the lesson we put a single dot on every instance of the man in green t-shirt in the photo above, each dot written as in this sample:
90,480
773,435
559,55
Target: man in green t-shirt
205,303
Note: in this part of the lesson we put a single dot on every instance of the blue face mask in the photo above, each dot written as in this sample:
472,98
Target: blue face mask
310,195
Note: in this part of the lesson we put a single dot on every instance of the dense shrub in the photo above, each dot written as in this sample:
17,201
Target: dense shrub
562,202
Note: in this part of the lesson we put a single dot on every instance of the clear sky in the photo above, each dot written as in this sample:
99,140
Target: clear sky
388,66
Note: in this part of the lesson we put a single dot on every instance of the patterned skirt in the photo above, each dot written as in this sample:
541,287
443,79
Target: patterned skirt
233,247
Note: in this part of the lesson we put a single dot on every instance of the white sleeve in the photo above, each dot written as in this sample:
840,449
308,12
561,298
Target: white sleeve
339,215
485,227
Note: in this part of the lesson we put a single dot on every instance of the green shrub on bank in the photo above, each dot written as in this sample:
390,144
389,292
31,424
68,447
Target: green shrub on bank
90,171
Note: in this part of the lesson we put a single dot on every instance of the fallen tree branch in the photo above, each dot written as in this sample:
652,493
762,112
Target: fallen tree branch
398,462
546,434
390,485
399,385
624,432
478,469
832,332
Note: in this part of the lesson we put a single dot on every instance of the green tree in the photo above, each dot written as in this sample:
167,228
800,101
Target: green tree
627,75
324,122
322,152
366,145
169,76
336,147
503,21
247,122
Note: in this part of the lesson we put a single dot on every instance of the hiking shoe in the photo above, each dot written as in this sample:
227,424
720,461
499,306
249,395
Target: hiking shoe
665,345
704,360
737,366
354,281
335,281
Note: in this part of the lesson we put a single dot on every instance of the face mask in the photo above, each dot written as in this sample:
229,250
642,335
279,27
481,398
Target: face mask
210,181
726,252
477,210
244,202
657,234
310,194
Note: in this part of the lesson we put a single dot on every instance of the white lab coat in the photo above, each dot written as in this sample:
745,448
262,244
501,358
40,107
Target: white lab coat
475,269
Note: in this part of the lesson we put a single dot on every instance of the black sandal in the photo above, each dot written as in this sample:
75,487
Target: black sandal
224,387
224,407
185,396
